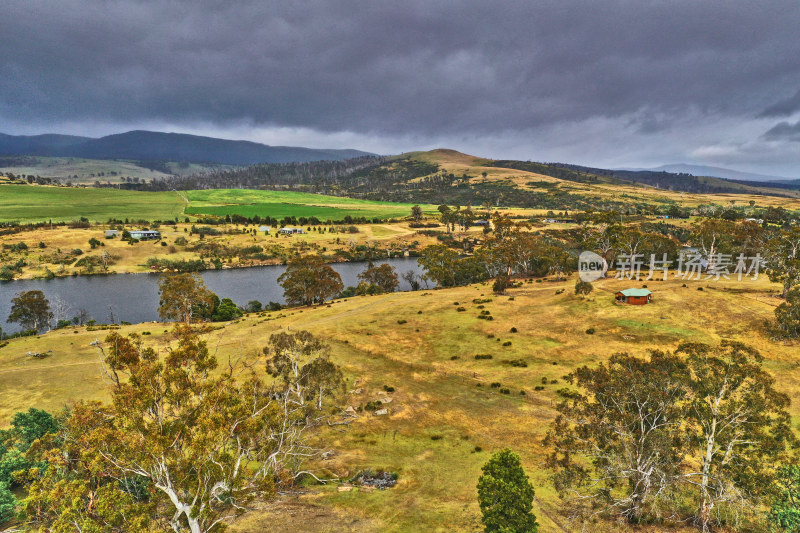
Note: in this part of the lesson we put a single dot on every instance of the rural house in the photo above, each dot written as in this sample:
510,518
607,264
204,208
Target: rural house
634,296
291,231
145,235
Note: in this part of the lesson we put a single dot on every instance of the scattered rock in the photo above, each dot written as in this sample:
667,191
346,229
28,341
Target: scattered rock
355,391
380,412
350,410
345,488
369,480
628,337
385,400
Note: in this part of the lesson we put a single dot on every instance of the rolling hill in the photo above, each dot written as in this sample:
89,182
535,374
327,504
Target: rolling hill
158,146
716,172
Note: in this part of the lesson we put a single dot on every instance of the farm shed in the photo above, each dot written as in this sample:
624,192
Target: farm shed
634,296
291,231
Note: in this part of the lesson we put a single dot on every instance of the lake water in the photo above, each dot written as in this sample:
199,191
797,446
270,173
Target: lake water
134,297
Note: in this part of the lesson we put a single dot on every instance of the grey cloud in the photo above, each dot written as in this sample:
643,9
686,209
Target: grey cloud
784,130
782,108
397,69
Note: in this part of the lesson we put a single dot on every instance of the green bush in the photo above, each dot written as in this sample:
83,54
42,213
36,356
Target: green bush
505,496
8,503
6,274
254,306
373,406
583,287
226,311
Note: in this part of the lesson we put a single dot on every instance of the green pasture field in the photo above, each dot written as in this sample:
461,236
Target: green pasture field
279,204
30,203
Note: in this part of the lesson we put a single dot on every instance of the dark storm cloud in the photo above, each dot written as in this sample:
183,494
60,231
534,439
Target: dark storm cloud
784,130
783,108
427,68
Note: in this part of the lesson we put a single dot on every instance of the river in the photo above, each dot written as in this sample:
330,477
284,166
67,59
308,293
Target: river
134,297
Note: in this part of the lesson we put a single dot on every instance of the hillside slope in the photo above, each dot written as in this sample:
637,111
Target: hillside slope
438,414
158,146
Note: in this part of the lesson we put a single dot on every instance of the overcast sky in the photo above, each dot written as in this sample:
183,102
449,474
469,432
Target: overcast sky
605,83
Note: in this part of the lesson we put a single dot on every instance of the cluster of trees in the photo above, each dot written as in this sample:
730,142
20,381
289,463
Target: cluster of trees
185,444
308,280
185,298
511,248
315,176
783,266
691,435
15,459
451,217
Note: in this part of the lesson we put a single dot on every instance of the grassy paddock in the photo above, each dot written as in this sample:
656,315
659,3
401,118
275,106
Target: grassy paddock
278,204
29,203
438,414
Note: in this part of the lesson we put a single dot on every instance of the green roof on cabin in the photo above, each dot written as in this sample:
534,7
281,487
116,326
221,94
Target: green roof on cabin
635,292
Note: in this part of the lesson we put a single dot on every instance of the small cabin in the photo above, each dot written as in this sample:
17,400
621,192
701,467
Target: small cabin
291,231
265,229
111,233
634,296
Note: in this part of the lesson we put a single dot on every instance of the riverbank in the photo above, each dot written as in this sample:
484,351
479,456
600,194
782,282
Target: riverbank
134,299
62,251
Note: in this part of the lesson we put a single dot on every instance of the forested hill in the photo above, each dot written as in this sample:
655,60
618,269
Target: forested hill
446,176
157,146
318,176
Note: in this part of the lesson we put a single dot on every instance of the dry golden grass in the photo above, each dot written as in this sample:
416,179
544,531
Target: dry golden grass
437,396
132,258
459,164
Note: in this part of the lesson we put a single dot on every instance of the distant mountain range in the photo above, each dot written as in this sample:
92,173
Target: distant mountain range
716,172
157,146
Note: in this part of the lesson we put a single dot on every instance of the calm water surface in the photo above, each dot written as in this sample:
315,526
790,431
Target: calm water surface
134,297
